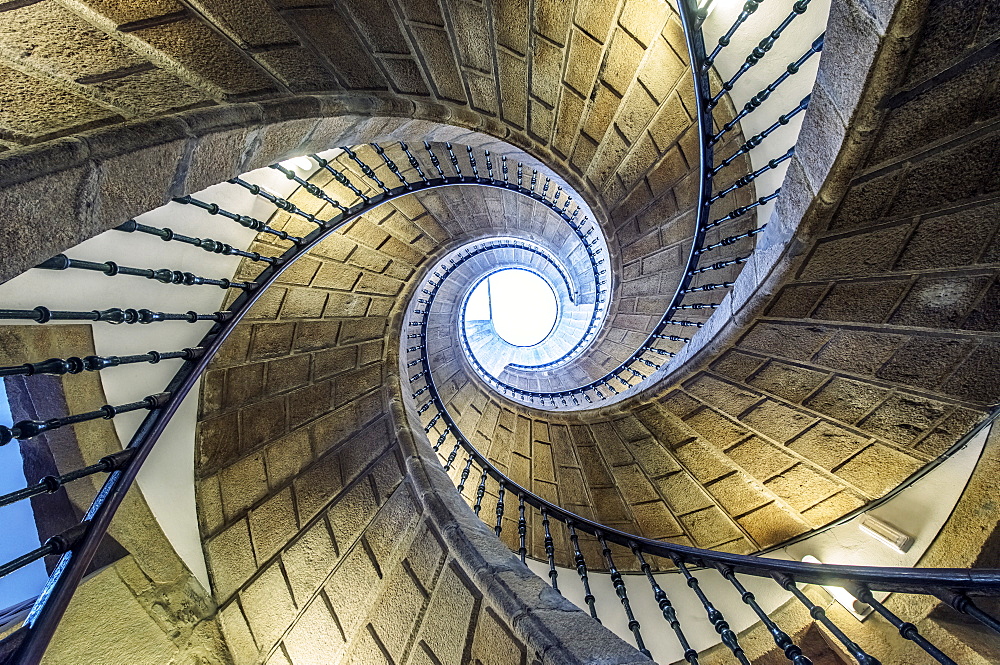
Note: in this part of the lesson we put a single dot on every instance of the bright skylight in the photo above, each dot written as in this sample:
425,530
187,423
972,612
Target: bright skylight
521,305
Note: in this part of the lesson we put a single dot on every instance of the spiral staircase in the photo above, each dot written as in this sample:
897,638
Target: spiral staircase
777,282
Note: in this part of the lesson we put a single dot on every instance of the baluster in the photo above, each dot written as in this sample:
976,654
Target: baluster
781,639
787,582
480,493
465,474
380,151
413,162
500,494
757,139
454,162
311,188
663,602
50,484
619,583
367,170
739,212
452,455
520,174
278,202
581,570
472,162
74,365
503,169
489,165
719,265
962,603
760,50
27,429
534,180
749,8
243,220
522,528
758,99
163,275
341,178
906,629
550,550
750,177
207,244
714,616
434,159
58,544
114,316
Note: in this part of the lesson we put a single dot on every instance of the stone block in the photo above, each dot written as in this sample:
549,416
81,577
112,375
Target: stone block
738,493
777,421
584,60
703,461
263,423
309,561
352,588
831,508
315,638
771,525
218,442
716,428
795,342
846,400
493,643
242,484
858,351
862,301
860,254
270,340
949,240
446,624
633,484
737,366
760,458
709,527
655,520
904,418
877,469
722,395
396,612
230,560
351,513
802,487
316,486
828,445
268,606
237,634
621,61
976,379
272,525
939,302
283,375
662,68
797,300
609,506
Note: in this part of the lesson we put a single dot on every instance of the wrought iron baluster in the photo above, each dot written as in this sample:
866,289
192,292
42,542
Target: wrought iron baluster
906,629
714,615
114,315
480,493
207,244
413,162
750,177
391,165
962,603
739,212
581,570
781,639
472,162
50,484
748,9
278,202
75,365
311,188
522,528
243,220
27,429
452,455
663,602
465,474
434,159
622,592
367,170
500,507
550,550
58,544
757,139
341,178
787,582
163,275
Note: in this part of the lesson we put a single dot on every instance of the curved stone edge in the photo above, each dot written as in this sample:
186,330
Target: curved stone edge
57,194
872,41
556,631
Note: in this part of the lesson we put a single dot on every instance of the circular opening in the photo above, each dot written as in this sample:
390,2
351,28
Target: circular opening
521,305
